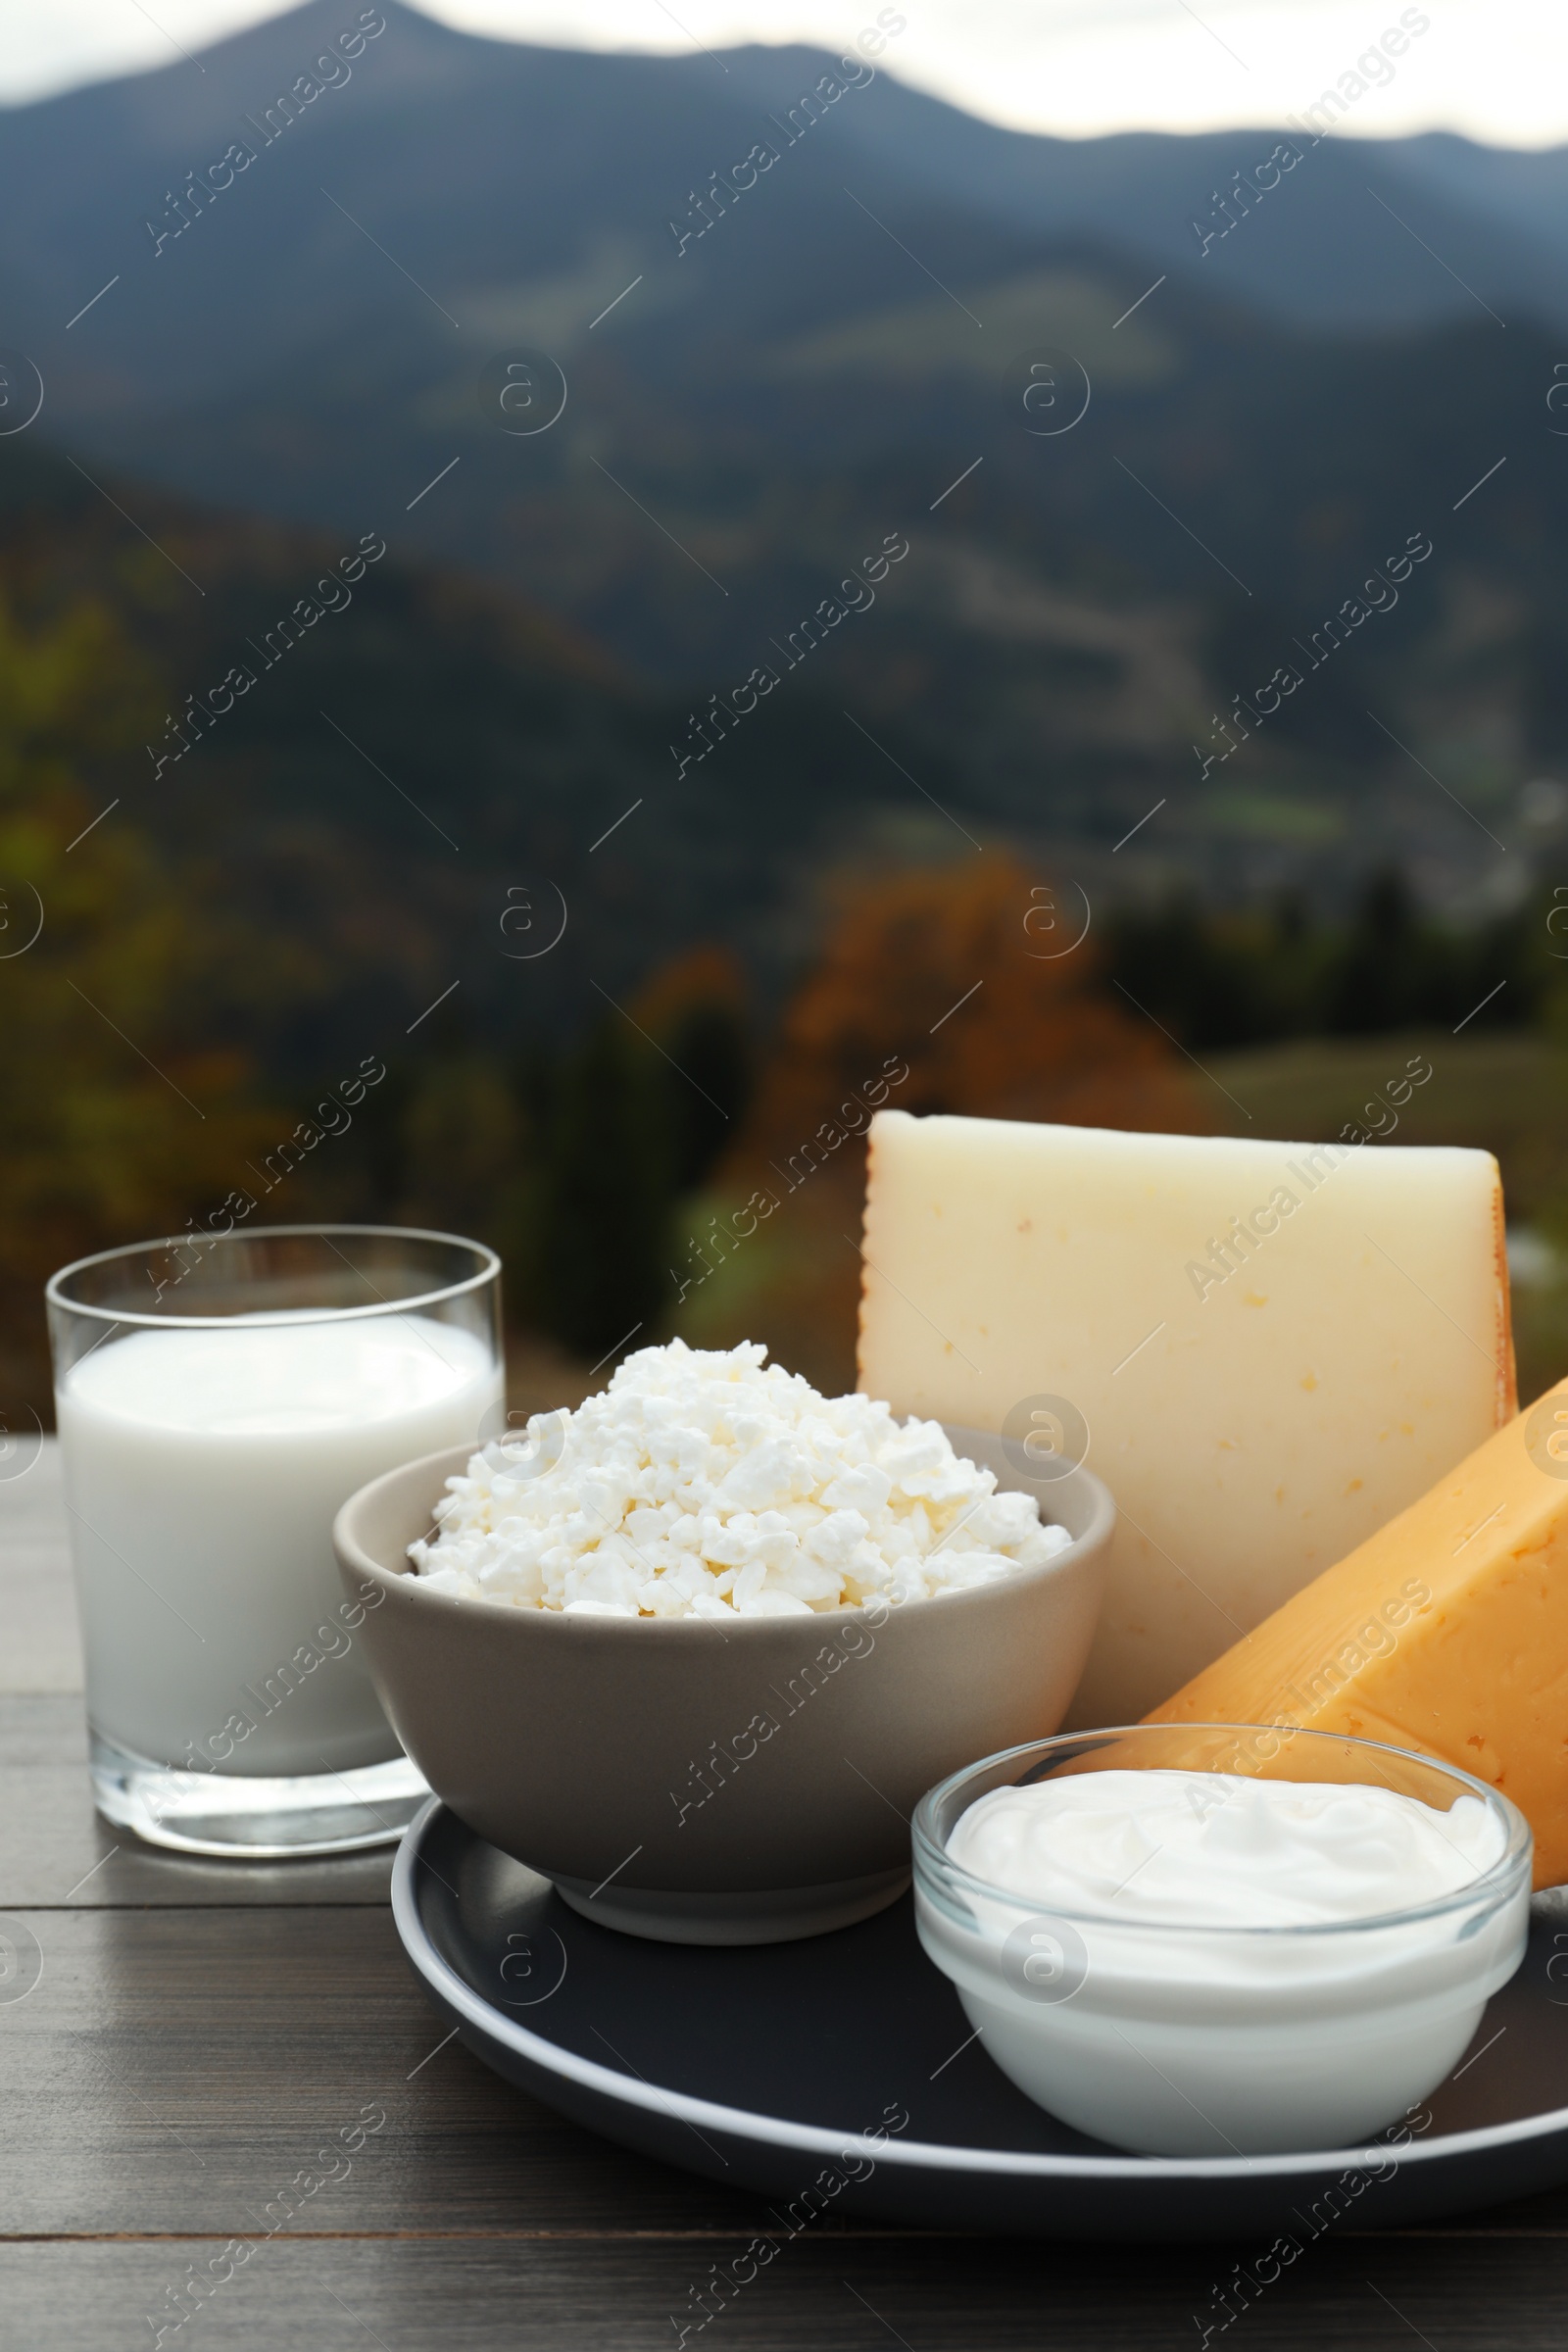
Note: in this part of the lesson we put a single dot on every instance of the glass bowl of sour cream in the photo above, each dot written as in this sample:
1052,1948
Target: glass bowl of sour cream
1221,1939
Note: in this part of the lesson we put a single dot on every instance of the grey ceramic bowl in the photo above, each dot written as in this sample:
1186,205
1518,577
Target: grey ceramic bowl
706,1784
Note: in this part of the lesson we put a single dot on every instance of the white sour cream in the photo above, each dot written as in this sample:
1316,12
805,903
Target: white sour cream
1202,1964
1203,1849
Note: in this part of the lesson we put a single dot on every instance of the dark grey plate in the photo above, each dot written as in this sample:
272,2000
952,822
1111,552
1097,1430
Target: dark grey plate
764,2067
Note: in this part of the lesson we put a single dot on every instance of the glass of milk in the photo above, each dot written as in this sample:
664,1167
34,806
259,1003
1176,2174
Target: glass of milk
218,1399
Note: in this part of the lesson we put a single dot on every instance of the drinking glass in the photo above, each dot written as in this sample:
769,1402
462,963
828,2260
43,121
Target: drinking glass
218,1399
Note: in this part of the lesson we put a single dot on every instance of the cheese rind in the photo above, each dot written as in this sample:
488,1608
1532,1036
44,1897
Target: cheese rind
1445,1632
1272,1347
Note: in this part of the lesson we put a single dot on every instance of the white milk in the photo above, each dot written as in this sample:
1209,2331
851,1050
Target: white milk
203,1472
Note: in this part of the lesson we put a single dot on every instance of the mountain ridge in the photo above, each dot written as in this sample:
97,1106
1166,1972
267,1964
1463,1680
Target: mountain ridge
836,354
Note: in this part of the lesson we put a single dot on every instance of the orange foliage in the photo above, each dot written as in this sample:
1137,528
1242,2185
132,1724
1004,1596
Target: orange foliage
949,976
702,977
959,973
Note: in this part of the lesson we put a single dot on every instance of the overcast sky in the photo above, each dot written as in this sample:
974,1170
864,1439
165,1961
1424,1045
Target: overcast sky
1497,70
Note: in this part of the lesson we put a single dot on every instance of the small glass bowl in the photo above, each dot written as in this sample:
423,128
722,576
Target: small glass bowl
1221,2040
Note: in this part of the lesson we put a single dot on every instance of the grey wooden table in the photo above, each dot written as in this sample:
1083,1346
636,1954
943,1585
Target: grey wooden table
205,2040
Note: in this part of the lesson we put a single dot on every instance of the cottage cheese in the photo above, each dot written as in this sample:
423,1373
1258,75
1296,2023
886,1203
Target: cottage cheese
709,1484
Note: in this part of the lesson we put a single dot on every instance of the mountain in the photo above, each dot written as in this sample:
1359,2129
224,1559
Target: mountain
387,781
795,330
494,164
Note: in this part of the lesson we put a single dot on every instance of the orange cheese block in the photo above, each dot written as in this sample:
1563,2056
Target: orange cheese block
1447,1632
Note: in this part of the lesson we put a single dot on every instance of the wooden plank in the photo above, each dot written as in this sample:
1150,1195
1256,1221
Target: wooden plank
174,2072
835,2293
54,1849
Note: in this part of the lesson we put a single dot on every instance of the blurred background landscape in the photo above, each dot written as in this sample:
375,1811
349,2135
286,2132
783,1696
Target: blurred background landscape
1013,818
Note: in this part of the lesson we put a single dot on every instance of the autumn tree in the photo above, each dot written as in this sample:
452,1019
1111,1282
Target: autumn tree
975,989
985,981
122,1113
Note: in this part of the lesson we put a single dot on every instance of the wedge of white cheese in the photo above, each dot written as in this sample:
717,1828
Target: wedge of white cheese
1264,1350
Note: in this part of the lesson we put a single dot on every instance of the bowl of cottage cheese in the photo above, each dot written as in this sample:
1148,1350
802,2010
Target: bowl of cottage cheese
695,1650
